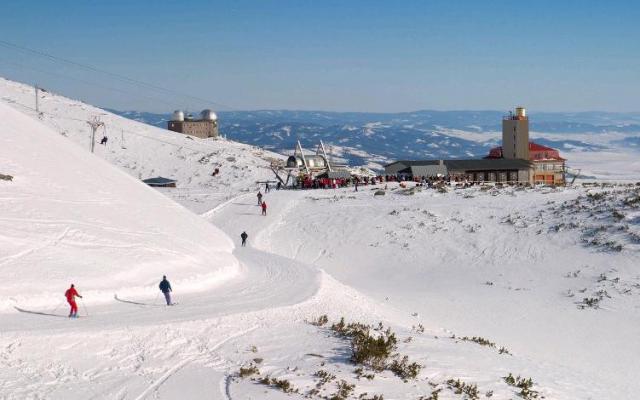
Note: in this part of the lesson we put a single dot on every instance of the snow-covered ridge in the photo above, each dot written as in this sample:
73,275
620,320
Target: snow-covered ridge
69,217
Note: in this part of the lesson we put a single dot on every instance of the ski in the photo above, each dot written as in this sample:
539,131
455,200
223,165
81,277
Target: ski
23,310
137,303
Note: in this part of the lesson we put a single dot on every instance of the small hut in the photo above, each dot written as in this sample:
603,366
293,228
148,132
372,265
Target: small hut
160,182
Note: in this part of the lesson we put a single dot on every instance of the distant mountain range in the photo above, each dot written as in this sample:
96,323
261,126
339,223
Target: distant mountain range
376,138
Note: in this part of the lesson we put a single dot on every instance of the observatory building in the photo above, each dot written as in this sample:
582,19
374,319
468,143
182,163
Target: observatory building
205,127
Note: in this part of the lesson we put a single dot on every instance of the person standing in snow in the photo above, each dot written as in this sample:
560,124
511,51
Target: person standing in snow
71,295
267,188
264,208
259,198
165,288
244,237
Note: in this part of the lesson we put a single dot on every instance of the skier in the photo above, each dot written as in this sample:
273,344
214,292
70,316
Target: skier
266,187
278,186
264,208
165,288
71,294
104,140
244,237
259,198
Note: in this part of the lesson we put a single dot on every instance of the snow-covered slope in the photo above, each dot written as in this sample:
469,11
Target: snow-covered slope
477,284
68,216
145,151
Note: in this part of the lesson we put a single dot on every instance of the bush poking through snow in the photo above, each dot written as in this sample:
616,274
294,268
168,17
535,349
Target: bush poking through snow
525,386
320,321
4,177
361,374
404,369
370,350
461,387
325,377
480,340
589,302
374,348
344,390
249,370
281,384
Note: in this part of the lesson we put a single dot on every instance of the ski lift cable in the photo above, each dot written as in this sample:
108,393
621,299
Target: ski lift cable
120,77
88,83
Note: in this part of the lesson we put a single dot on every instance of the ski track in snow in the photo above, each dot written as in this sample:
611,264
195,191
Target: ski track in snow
155,385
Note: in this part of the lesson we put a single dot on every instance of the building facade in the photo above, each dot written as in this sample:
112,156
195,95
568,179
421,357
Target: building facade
548,166
205,127
482,170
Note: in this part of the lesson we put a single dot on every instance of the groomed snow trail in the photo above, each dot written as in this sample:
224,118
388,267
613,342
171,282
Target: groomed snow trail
126,350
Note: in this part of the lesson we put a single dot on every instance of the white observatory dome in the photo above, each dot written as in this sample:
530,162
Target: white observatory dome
209,115
178,115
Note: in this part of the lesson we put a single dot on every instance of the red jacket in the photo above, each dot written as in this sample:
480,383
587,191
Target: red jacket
71,293
264,205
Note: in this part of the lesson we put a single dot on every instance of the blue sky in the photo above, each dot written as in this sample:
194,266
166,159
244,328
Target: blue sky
333,55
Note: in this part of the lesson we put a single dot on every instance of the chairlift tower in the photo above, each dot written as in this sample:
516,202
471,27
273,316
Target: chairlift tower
94,123
37,90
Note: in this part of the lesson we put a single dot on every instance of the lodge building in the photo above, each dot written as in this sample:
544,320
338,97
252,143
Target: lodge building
517,161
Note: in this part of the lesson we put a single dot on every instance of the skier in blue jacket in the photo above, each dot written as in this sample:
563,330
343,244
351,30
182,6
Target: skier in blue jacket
165,288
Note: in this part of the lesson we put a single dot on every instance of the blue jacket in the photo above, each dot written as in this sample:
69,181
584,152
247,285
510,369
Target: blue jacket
165,286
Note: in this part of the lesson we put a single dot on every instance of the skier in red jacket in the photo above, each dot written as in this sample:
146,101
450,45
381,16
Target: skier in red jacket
71,294
264,208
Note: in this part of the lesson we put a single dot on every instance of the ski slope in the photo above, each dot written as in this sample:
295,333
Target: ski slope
68,216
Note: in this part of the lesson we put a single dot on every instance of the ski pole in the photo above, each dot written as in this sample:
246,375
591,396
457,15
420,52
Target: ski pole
84,306
58,306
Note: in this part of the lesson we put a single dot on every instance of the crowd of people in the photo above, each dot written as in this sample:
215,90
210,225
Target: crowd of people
308,182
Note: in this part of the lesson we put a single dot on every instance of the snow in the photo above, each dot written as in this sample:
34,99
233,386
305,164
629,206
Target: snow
508,265
64,202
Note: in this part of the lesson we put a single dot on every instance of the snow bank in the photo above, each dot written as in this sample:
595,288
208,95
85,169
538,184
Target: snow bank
69,216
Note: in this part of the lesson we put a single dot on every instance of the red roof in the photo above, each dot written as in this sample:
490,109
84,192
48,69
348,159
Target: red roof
537,152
